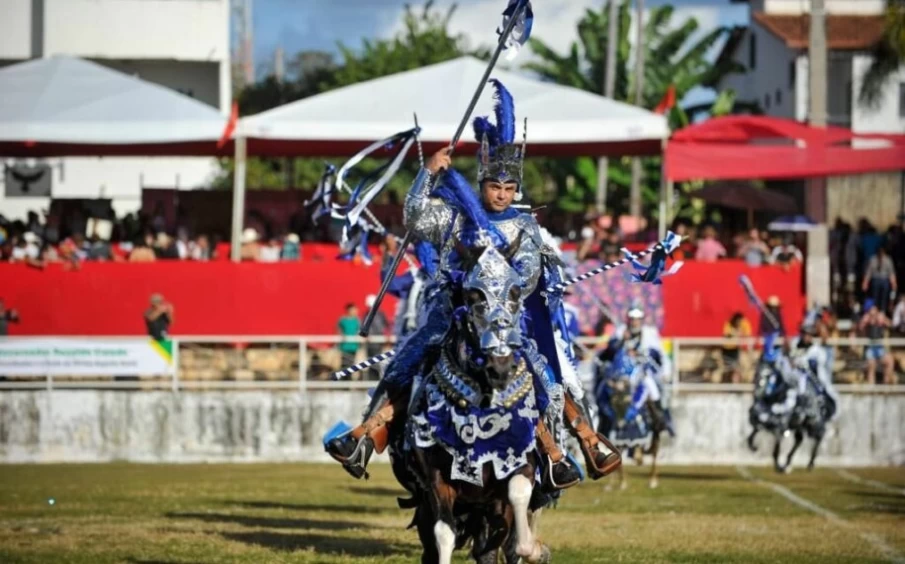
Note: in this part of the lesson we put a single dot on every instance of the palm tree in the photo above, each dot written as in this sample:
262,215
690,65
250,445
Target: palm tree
888,55
672,58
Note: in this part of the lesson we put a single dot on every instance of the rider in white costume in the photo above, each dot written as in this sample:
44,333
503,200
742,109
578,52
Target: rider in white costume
809,356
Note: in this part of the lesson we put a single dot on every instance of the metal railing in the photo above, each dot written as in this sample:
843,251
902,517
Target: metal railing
304,363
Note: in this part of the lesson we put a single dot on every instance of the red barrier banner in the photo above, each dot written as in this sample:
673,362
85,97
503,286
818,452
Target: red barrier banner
307,298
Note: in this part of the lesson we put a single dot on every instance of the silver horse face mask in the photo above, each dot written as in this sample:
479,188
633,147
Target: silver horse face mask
493,296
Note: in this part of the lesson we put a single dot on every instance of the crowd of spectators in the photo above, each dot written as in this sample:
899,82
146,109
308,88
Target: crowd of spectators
41,239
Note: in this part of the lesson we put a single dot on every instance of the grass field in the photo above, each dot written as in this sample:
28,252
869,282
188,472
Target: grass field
163,514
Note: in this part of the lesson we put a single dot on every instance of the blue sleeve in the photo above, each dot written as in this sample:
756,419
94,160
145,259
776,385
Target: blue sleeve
401,285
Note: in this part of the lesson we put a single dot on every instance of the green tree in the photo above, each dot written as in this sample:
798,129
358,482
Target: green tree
672,58
888,55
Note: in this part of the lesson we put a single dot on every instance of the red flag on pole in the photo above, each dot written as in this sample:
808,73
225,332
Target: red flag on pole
230,126
668,101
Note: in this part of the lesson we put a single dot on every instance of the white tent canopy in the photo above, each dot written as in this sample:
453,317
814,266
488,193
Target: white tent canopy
439,94
66,100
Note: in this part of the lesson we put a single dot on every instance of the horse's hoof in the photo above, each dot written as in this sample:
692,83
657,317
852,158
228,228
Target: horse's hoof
608,487
653,484
810,467
623,486
787,470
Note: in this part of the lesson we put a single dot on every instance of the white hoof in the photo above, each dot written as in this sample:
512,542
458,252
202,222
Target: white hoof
653,484
623,486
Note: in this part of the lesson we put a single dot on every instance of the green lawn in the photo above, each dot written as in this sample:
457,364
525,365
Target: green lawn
157,514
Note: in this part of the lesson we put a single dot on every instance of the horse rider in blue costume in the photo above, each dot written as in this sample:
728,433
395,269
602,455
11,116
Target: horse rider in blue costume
643,343
444,216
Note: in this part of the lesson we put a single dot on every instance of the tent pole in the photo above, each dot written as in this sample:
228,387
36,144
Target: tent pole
235,248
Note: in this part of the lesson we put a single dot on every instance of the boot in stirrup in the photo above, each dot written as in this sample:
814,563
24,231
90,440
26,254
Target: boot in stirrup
598,462
354,449
559,472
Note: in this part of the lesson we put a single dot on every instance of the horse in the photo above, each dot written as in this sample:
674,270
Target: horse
641,434
467,452
812,412
770,388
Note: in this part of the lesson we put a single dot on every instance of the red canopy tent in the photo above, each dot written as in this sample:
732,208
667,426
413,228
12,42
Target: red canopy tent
744,147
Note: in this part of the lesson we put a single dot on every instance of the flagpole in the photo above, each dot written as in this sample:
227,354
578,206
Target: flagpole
409,236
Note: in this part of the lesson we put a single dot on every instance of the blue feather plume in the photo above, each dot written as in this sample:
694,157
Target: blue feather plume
505,112
483,128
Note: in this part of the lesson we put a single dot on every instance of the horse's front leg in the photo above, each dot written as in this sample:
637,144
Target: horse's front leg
818,438
777,446
654,450
521,486
751,445
443,498
799,437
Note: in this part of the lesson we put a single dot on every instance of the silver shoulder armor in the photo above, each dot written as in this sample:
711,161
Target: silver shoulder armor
426,218
527,259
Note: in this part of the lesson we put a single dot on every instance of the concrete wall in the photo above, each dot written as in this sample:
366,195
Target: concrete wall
83,425
886,116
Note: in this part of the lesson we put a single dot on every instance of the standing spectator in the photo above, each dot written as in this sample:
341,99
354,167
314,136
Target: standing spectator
349,325
27,249
753,250
709,249
734,332
7,316
165,247
786,254
767,325
379,328
269,251
159,317
880,279
898,316
873,326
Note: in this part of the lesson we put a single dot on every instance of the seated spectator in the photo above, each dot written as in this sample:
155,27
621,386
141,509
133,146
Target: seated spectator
709,249
270,251
250,248
787,254
291,250
143,251
734,332
874,326
99,249
200,249
182,243
165,247
898,316
753,250
158,318
27,249
880,279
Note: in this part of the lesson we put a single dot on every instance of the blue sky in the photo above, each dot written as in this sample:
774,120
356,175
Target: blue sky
298,25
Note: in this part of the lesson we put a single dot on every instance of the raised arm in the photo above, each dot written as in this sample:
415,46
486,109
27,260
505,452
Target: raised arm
425,217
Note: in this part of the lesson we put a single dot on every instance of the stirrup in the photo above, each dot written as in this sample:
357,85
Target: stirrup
357,462
549,473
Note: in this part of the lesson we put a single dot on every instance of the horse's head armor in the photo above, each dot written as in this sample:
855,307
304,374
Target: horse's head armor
492,292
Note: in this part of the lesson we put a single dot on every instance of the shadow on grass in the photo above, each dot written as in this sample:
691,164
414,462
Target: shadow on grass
320,544
351,508
270,522
690,476
379,491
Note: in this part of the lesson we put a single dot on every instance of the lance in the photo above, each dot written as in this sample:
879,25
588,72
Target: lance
409,236
558,288
555,288
748,287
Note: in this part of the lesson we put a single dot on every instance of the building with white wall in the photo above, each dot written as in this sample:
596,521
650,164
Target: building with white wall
179,44
774,50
